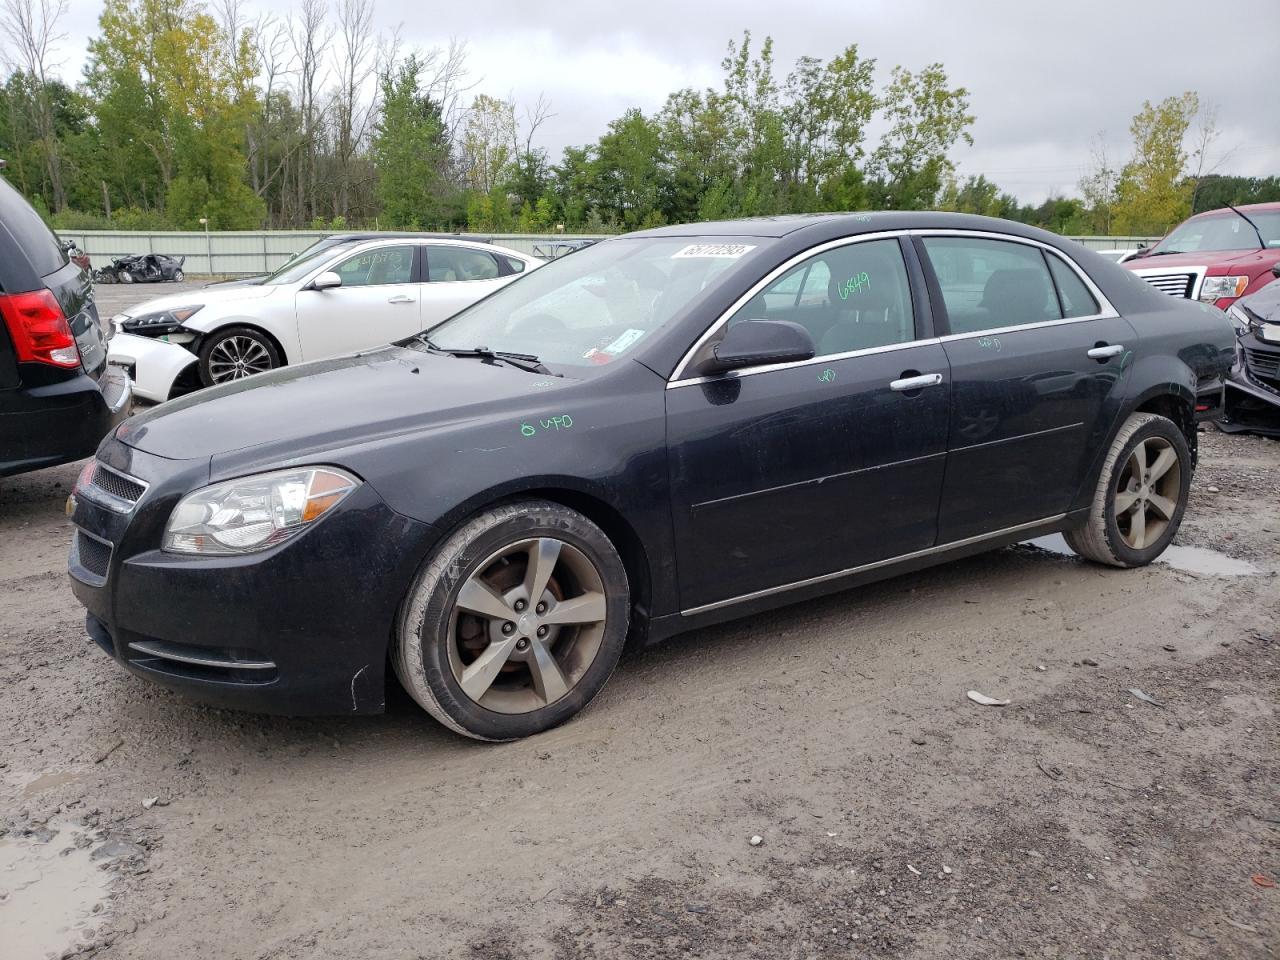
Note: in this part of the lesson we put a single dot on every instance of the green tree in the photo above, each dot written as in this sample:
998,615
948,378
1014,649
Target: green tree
926,120
1153,192
409,149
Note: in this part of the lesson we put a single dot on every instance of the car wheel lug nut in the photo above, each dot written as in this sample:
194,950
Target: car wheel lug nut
542,631
520,605
541,608
508,628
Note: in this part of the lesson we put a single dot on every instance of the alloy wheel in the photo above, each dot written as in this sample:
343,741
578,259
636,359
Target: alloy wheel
1147,492
527,625
237,357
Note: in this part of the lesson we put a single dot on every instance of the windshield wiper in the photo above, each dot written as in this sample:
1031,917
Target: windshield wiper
1262,244
1165,253
521,361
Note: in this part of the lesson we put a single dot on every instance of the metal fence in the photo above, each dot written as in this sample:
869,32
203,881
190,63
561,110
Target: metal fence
250,252
245,252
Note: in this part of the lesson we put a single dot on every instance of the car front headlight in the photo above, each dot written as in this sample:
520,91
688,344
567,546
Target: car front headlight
160,321
1215,288
254,513
1240,318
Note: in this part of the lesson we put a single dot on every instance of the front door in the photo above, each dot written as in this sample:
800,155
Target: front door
377,303
1036,362
790,472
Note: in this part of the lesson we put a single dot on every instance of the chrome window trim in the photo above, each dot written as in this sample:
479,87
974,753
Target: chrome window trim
1105,309
874,565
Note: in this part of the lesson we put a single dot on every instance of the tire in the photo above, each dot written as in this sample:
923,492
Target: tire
178,276
1118,537
125,276
235,353
439,644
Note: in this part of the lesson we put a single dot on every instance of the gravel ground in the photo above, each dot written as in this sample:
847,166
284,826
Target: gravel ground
897,818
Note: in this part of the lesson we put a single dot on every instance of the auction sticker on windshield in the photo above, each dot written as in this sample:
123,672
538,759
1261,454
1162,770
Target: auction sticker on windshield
627,339
724,251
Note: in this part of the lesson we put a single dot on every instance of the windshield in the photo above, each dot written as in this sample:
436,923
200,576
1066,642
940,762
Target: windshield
303,263
597,305
1223,230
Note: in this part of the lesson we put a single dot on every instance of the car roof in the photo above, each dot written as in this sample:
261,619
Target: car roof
816,227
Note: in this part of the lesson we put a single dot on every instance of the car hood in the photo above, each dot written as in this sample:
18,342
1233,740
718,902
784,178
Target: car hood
298,410
1265,304
205,296
1206,258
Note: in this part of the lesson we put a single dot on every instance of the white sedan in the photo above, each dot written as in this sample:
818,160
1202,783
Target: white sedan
343,298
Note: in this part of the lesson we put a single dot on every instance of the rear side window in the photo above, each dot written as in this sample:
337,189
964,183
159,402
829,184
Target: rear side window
33,237
1077,301
516,266
989,284
448,264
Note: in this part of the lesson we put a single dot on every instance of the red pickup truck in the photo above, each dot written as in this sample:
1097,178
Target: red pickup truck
1215,257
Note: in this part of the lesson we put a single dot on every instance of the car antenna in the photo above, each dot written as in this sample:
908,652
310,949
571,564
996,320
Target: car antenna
1261,243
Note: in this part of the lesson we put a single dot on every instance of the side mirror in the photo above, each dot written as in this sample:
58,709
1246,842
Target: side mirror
326,281
754,343
1275,269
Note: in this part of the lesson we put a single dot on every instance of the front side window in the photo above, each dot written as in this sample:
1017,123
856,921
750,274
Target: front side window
377,267
989,284
600,304
854,297
448,264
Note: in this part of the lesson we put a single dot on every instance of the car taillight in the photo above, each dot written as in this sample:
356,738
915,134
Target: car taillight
39,329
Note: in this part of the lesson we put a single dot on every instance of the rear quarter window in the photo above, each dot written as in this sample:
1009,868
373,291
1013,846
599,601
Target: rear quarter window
33,238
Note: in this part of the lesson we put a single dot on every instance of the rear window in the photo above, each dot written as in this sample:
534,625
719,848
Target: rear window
34,238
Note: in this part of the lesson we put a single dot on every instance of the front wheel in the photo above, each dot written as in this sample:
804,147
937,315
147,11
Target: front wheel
236,353
516,623
1141,495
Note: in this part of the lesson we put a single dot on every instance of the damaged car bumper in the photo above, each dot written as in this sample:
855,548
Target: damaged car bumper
1253,389
154,366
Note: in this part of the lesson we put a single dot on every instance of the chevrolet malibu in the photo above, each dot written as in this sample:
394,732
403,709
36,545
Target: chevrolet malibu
665,430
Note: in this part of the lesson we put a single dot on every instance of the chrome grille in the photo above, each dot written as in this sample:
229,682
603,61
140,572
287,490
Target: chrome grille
1174,284
93,554
117,484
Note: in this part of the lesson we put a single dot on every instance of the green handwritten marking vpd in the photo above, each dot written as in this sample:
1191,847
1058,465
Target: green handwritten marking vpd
561,422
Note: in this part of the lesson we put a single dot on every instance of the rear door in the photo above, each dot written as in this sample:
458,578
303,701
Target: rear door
785,473
456,277
1037,359
378,302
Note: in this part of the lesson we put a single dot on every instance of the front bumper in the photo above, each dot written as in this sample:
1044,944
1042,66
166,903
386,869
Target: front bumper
1253,389
155,364
300,629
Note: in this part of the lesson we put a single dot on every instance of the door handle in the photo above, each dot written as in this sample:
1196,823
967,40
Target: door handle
1106,351
400,298
907,384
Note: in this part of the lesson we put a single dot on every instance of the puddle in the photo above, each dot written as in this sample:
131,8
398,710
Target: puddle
48,892
1197,560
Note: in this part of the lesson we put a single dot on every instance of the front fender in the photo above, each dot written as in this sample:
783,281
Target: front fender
156,364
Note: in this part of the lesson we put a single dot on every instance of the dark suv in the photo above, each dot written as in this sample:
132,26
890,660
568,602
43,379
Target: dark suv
57,397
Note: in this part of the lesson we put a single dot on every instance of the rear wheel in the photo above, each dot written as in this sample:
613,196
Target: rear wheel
178,276
1141,495
515,624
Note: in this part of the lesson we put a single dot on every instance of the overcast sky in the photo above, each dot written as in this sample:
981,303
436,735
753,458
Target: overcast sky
1044,78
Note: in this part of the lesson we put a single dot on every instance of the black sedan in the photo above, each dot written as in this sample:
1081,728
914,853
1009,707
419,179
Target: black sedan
1253,389
661,431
